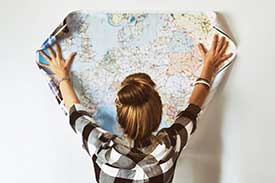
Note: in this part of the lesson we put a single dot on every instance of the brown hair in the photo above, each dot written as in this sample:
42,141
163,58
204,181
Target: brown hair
139,108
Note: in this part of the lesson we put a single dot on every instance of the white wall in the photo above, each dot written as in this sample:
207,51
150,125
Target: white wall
233,143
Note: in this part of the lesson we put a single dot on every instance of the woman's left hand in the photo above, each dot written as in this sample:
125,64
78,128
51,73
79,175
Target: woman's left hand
57,64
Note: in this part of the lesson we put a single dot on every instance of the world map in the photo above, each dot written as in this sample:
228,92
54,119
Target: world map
111,46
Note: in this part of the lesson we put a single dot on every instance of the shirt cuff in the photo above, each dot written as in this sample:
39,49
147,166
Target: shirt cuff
193,108
77,107
76,111
191,112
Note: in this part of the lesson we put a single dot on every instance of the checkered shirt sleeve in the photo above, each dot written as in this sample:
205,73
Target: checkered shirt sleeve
93,136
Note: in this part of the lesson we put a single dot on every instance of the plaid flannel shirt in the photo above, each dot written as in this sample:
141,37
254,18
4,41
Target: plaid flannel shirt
116,161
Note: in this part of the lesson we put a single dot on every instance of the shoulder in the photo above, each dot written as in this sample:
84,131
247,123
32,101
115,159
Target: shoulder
178,133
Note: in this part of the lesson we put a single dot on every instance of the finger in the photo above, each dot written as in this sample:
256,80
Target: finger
43,65
224,58
58,50
223,49
45,56
49,49
220,44
214,42
70,59
202,49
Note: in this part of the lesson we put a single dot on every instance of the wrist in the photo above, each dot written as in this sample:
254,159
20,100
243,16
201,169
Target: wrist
68,81
207,72
65,79
59,77
62,74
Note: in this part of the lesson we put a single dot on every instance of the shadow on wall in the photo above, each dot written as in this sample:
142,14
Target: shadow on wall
201,161
226,28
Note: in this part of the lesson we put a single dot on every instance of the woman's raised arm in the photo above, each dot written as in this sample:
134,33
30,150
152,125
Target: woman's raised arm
60,67
212,59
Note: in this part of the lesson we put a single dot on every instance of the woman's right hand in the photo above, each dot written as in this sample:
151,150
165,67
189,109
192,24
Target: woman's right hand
214,57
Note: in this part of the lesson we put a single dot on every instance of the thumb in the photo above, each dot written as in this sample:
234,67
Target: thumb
42,65
70,59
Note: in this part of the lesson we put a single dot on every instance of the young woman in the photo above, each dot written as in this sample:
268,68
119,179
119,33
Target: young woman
140,155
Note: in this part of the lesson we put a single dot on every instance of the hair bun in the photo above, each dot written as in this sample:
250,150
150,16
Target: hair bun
134,92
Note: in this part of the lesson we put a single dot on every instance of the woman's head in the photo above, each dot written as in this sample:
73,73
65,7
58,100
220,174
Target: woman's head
139,107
